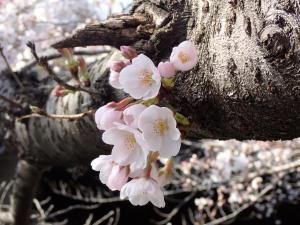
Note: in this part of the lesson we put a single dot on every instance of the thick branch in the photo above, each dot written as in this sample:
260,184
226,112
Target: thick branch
27,179
117,31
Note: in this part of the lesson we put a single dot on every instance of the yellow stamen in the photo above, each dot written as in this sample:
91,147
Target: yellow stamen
130,142
146,78
160,127
184,58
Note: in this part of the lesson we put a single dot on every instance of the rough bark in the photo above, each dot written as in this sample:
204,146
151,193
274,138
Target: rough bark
26,181
245,86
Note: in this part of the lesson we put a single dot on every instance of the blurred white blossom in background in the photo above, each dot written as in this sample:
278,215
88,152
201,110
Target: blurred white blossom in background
47,21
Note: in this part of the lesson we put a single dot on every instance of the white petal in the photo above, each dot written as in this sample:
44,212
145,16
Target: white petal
132,114
157,198
169,147
129,75
98,162
143,60
149,115
114,80
153,140
113,136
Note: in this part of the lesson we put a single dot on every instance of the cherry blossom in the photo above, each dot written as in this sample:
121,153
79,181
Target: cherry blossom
111,174
184,57
166,69
114,80
129,146
128,52
104,165
132,114
142,190
118,177
159,130
141,79
106,117
46,22
118,65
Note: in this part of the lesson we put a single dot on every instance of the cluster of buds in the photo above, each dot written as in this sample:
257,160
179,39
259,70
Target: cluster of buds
140,131
77,67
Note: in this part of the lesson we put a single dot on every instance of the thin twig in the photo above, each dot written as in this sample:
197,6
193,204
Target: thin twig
241,209
12,102
176,209
5,191
117,217
89,219
14,75
57,56
56,116
44,63
107,216
71,208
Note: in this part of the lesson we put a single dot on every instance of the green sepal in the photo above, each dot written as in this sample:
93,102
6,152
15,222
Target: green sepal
182,119
152,101
168,83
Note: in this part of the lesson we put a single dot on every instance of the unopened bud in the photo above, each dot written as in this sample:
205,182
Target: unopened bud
182,119
166,69
118,65
66,52
60,91
85,76
128,52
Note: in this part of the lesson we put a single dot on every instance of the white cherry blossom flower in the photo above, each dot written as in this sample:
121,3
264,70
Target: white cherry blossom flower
114,80
128,52
110,173
141,79
106,117
132,114
140,191
159,130
104,165
184,57
117,178
166,69
129,146
118,65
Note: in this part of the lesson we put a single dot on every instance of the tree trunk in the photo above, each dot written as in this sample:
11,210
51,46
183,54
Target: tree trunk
245,86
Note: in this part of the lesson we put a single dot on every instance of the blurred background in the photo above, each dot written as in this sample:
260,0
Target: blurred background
215,182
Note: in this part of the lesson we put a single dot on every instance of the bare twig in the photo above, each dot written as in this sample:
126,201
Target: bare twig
117,216
89,219
14,75
5,191
12,102
176,209
107,216
241,209
71,208
56,56
44,63
59,117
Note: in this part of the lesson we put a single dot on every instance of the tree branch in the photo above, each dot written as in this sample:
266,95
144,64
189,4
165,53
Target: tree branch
118,30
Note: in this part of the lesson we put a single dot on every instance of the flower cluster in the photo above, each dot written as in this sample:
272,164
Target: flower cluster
140,131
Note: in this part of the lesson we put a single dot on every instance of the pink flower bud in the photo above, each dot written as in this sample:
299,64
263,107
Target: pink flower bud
118,65
117,178
66,52
166,69
128,52
106,117
82,63
59,91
